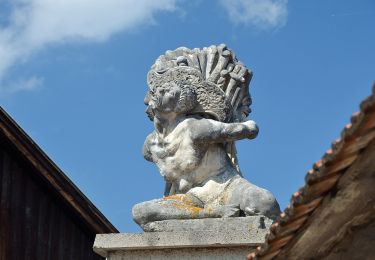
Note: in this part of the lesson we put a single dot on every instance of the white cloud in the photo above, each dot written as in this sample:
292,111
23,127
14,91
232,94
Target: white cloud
29,84
263,14
34,24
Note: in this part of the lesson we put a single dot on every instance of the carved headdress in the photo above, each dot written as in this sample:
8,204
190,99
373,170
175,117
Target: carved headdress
219,81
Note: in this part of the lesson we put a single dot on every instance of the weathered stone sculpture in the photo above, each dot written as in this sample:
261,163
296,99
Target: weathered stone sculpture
199,100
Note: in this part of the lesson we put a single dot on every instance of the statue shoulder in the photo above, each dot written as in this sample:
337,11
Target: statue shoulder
197,126
190,121
193,122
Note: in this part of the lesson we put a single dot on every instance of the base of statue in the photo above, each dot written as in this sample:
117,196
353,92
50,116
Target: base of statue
222,238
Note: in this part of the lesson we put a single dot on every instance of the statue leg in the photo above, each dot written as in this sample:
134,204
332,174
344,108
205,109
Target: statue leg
179,206
252,199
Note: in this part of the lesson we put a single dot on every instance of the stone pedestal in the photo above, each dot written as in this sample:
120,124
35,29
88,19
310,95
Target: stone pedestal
231,238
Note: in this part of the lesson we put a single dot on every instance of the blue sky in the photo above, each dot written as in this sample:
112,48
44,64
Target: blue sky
73,75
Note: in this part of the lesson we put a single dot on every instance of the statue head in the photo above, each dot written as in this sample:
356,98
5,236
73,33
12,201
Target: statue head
172,97
210,82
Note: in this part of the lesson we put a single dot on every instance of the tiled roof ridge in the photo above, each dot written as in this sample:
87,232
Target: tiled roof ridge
320,180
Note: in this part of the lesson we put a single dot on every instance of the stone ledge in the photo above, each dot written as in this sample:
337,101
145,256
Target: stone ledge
213,253
229,238
105,243
210,224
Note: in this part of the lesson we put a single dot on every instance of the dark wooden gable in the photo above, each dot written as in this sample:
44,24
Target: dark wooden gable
43,215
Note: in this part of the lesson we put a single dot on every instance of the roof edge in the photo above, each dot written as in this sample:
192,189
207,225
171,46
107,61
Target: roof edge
319,181
50,172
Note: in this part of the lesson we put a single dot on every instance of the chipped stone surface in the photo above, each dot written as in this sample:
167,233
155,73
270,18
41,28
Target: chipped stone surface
225,253
219,244
258,224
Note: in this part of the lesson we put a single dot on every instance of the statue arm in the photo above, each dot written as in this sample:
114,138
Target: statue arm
211,131
146,147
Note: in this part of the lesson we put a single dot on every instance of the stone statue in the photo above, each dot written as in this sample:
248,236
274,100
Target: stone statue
199,100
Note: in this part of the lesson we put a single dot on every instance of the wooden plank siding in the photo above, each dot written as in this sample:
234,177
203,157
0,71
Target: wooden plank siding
35,222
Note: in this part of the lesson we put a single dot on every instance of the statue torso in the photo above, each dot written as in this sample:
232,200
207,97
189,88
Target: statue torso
178,157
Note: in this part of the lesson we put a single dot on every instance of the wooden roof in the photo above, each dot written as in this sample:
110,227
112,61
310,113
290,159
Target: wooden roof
54,176
345,161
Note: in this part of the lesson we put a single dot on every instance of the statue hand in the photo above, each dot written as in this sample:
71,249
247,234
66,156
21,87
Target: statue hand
251,128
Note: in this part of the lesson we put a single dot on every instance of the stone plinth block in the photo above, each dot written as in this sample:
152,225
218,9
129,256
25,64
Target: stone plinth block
218,241
210,224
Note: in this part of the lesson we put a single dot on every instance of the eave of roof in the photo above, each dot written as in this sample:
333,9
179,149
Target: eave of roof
322,178
51,173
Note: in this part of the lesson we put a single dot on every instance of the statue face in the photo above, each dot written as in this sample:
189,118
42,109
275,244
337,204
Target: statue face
165,98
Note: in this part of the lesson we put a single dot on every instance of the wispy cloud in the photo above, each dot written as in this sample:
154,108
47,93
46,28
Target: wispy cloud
263,14
17,85
34,24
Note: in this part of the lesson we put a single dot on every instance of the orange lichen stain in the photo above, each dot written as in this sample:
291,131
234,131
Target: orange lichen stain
193,210
209,211
184,202
180,197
